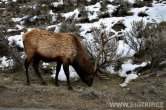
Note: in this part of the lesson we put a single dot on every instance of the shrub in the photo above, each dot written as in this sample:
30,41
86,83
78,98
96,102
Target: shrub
17,61
68,6
142,14
58,18
119,26
13,8
86,2
122,9
23,1
69,28
140,3
4,47
148,40
83,15
37,20
103,48
15,54
134,35
104,4
104,15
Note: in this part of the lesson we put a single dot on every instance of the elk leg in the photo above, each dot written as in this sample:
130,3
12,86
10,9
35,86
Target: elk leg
66,70
26,64
35,67
58,67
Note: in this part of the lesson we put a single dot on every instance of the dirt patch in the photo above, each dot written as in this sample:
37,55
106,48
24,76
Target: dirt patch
13,92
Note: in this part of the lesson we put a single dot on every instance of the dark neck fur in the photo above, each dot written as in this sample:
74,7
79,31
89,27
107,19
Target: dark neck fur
82,63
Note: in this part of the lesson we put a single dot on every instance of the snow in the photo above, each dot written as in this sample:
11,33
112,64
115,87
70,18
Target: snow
157,13
33,18
17,39
95,9
5,62
128,66
4,0
89,0
16,19
55,4
10,30
129,78
133,1
45,64
72,15
62,76
84,29
19,26
124,50
51,12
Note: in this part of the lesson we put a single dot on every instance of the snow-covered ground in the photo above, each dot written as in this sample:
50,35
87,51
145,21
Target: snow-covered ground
128,66
156,13
62,77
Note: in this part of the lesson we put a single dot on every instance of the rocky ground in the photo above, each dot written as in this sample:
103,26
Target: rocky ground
14,94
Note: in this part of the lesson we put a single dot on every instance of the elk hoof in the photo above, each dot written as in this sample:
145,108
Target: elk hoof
27,84
70,88
44,83
56,85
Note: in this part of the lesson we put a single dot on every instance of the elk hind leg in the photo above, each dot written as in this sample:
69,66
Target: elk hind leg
26,64
58,67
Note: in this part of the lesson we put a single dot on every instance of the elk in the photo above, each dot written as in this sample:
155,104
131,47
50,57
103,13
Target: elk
63,48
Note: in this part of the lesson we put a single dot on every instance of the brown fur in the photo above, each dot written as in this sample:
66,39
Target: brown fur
64,48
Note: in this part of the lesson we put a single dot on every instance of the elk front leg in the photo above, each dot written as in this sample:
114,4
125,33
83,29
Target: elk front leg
58,67
35,67
66,70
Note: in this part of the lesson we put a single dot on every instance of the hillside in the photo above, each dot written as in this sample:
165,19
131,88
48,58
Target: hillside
134,31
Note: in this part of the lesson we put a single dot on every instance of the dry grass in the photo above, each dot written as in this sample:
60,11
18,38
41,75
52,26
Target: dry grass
13,92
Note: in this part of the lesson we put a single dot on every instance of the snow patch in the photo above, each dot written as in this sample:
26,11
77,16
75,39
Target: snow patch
17,39
16,19
128,66
4,62
129,78
72,15
62,77
19,26
55,4
124,50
